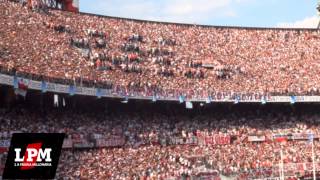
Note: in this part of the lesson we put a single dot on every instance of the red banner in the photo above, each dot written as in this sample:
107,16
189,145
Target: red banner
216,139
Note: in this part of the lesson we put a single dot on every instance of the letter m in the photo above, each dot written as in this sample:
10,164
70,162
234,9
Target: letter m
44,154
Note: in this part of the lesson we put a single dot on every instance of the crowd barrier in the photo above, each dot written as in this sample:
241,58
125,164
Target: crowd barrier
165,95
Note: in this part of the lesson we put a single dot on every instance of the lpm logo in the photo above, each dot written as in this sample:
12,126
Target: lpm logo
33,156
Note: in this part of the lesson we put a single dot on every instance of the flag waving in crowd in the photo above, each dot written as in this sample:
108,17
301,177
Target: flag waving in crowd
22,87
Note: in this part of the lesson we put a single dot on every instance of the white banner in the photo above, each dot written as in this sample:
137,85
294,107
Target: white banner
34,85
86,91
5,79
61,88
220,97
256,138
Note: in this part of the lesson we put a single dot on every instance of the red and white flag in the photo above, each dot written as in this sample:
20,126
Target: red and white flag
22,88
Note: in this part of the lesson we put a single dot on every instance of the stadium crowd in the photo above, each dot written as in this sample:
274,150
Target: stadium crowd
163,58
149,150
142,56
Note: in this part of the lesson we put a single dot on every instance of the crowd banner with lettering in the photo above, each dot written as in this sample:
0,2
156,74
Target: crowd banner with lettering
110,142
293,136
100,143
36,85
207,174
264,173
257,138
183,141
280,99
4,143
86,91
67,143
169,95
61,88
6,80
297,99
308,98
280,137
299,167
96,136
84,143
216,139
300,136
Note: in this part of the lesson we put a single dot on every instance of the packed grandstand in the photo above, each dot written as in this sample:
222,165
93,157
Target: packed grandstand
107,139
141,56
